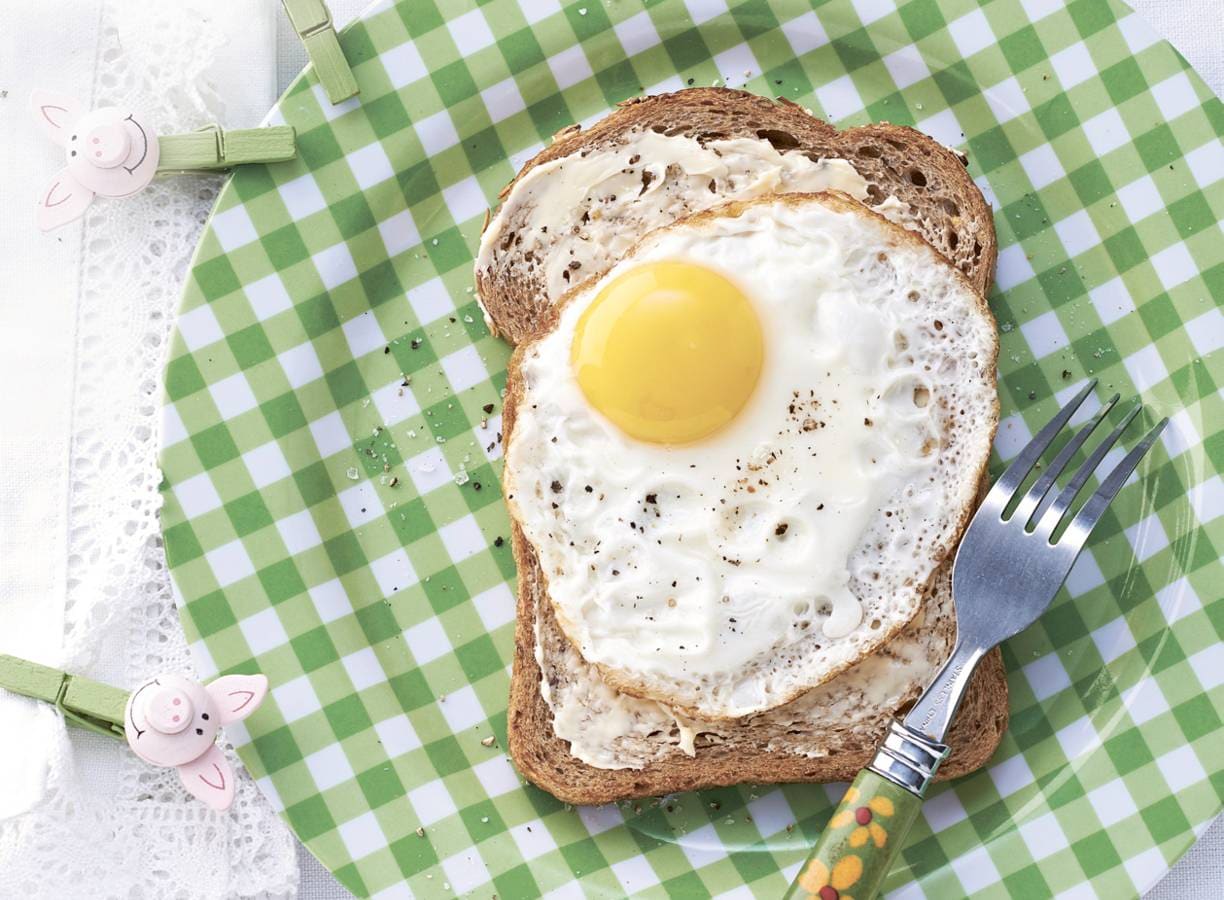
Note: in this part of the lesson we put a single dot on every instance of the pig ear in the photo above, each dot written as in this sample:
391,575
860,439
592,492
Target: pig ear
56,113
64,201
210,778
237,696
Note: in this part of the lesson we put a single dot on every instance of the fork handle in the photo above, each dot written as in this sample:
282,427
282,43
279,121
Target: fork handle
857,848
867,830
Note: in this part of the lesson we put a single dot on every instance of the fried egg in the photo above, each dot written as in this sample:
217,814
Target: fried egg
741,453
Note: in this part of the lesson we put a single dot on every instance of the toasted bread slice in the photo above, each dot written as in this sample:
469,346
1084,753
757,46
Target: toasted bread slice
775,748
933,192
826,734
947,209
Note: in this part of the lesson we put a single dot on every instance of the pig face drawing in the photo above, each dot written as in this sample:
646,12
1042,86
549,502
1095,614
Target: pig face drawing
110,153
171,721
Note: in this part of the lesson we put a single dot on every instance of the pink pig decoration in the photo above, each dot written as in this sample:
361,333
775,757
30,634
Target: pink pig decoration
110,153
170,721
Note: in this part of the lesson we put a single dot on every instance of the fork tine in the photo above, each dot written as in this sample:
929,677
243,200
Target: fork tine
1011,479
1066,497
1086,519
1030,507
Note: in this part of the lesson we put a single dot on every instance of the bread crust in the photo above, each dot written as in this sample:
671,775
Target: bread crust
840,203
895,160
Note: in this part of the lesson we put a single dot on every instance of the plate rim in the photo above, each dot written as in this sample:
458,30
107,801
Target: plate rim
380,6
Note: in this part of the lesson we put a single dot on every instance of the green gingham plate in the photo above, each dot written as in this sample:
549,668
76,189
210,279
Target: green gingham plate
340,529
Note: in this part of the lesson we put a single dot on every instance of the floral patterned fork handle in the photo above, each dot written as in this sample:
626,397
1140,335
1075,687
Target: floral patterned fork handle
857,848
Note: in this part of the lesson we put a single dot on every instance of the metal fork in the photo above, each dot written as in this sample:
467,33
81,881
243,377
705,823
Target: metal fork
1015,554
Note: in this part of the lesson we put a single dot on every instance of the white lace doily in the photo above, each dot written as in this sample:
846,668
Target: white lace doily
109,825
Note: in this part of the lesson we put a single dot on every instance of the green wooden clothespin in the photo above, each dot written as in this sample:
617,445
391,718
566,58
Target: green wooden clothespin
313,23
90,704
212,148
112,152
168,720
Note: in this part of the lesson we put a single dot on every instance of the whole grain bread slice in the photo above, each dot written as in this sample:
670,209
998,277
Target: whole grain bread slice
943,203
782,745
947,209
737,754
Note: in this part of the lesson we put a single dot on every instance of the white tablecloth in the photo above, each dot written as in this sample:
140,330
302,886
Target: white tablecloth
85,316
1196,27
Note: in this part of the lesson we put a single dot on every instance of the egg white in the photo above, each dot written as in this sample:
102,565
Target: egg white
727,575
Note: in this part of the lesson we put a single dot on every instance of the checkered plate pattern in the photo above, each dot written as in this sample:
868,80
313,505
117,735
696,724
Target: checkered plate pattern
332,514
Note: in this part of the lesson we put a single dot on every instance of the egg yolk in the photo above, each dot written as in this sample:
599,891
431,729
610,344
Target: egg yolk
668,351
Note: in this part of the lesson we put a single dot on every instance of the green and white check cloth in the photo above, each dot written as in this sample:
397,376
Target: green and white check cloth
332,512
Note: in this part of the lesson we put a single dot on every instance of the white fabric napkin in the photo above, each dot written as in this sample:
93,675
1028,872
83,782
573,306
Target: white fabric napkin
35,381
85,313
